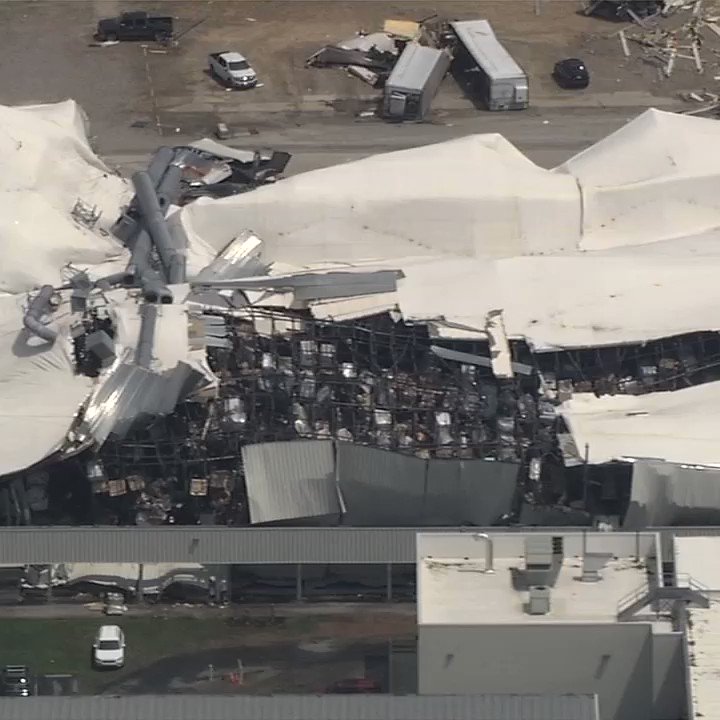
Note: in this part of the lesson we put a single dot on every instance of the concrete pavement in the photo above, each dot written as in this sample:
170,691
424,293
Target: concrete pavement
548,137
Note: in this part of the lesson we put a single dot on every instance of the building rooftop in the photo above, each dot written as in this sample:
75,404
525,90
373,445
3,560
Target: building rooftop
691,560
458,591
456,588
692,557
704,640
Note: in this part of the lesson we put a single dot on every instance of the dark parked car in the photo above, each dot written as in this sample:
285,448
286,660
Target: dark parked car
16,681
571,74
135,26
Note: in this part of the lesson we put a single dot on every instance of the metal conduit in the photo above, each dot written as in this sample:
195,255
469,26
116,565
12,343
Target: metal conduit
489,551
143,352
154,220
38,306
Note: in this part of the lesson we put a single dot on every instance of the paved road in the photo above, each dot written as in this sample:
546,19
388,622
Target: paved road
548,137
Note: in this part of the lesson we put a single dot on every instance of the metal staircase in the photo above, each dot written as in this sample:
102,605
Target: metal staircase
662,599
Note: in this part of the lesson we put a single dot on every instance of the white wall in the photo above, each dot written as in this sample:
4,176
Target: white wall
614,661
669,691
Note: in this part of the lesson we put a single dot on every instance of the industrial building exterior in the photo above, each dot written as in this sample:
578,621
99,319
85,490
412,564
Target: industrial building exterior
546,613
627,622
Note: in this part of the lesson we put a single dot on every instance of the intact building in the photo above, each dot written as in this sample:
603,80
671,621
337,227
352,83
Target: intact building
560,613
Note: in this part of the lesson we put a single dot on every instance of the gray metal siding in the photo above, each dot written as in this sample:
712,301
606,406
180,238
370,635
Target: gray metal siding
669,689
208,545
220,545
291,480
302,707
380,487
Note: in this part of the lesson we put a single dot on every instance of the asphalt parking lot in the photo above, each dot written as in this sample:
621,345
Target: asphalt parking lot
167,653
46,55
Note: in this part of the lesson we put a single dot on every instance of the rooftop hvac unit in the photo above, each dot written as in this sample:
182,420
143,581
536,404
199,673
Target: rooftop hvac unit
539,600
593,563
538,559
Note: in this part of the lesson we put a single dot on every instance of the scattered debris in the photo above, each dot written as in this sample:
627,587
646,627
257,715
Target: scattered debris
370,57
405,29
104,43
222,131
623,10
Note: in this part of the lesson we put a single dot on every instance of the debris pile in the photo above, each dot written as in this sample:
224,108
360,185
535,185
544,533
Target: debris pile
369,56
685,32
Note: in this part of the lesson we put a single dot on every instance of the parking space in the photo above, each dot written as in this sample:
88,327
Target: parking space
46,55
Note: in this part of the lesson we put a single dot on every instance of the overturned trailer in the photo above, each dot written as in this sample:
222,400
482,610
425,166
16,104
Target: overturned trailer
486,69
414,82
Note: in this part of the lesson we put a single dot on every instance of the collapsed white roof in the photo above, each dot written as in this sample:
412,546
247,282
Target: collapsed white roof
655,179
680,427
588,254
48,166
40,393
476,196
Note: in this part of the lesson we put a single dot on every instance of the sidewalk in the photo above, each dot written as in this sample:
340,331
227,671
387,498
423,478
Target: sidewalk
282,610
327,104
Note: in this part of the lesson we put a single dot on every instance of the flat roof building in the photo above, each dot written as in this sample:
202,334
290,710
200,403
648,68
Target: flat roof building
562,612
695,566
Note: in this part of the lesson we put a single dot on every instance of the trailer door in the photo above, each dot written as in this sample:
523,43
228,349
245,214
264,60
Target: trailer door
396,107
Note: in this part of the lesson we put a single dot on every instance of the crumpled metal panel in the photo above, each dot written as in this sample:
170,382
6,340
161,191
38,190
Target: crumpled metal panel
128,392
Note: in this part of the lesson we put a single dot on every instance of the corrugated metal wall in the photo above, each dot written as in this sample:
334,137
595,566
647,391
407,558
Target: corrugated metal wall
291,480
304,707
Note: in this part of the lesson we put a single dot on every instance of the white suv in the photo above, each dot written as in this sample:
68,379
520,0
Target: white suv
109,647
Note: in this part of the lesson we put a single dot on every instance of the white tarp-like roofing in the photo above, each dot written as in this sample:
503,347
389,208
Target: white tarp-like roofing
589,254
47,166
680,427
654,179
476,196
39,390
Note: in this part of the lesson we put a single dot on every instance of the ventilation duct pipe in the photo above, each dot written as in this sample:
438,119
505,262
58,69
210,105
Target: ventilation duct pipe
159,164
38,306
143,352
154,221
153,286
122,278
489,551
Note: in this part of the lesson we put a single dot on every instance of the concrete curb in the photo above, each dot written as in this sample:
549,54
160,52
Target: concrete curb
322,105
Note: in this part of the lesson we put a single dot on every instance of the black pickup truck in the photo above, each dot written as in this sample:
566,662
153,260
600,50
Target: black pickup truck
135,26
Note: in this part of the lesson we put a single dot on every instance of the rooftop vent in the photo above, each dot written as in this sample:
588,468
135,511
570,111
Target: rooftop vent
539,600
538,559
593,563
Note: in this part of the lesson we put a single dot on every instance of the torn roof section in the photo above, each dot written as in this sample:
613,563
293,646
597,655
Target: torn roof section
40,393
586,255
679,427
48,166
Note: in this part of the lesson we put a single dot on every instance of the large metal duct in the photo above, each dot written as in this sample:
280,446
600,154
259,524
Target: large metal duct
154,220
38,306
169,187
153,285
159,164
122,278
143,351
